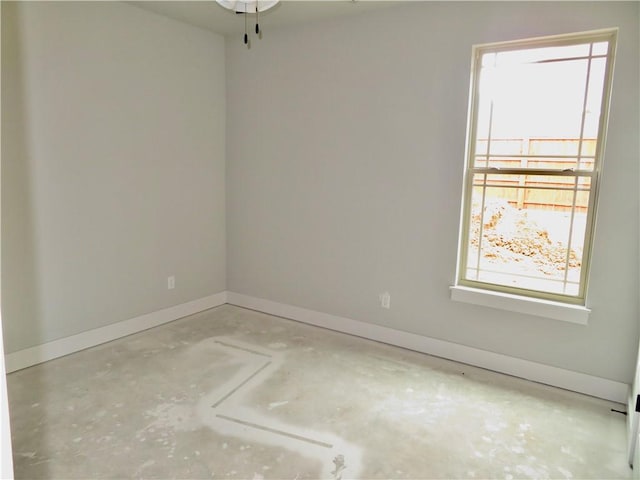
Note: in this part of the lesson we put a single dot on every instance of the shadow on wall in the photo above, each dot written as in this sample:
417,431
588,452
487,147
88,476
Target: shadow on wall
21,310
21,300
20,290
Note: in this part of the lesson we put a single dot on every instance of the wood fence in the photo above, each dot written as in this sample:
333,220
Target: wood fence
542,192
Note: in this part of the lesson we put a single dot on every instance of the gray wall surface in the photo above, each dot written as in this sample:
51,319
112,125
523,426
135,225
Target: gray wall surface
113,166
344,159
344,174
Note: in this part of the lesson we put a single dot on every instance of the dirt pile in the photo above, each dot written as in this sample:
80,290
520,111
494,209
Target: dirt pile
511,235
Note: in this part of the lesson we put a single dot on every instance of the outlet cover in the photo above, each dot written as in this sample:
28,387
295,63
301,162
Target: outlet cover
385,300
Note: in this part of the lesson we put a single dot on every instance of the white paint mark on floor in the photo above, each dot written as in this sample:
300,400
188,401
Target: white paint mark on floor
222,409
531,472
568,451
492,426
26,454
565,473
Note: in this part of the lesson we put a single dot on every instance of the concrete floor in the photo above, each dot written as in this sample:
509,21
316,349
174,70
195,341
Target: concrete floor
232,393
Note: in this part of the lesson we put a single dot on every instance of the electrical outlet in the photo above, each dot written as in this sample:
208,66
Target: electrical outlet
171,282
385,300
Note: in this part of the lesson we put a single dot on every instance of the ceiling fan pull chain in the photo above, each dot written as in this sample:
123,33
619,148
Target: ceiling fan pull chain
246,37
245,7
257,20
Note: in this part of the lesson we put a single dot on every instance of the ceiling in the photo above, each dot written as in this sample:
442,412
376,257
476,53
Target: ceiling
211,16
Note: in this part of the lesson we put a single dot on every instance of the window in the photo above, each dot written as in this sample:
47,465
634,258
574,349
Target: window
537,121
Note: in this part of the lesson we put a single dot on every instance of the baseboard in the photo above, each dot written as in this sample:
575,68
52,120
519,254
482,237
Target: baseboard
632,427
64,346
537,372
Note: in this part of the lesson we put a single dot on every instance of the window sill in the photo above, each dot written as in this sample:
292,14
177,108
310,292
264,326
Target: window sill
515,303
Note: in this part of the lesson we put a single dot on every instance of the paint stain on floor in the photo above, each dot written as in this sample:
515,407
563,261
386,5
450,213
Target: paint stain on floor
232,393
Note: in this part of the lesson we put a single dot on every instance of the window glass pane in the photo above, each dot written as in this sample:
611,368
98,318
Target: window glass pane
593,103
483,118
488,59
482,136
525,232
535,100
588,161
474,235
545,192
578,237
600,48
533,55
555,146
552,163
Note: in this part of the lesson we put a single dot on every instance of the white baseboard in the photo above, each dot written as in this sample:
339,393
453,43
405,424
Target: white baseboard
64,346
537,372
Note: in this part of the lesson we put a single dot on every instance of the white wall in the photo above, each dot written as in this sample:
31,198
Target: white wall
113,166
344,170
345,154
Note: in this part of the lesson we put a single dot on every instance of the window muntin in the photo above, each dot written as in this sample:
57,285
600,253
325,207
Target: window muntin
536,136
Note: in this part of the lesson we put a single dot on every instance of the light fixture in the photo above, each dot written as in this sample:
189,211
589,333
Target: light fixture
246,7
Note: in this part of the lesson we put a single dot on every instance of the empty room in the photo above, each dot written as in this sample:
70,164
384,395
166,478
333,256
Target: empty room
305,239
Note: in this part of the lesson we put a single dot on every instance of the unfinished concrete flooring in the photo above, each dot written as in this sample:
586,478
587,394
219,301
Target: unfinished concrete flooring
232,393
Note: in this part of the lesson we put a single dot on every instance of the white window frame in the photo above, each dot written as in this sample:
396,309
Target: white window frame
551,305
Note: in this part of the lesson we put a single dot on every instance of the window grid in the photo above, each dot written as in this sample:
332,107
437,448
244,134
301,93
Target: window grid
586,163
